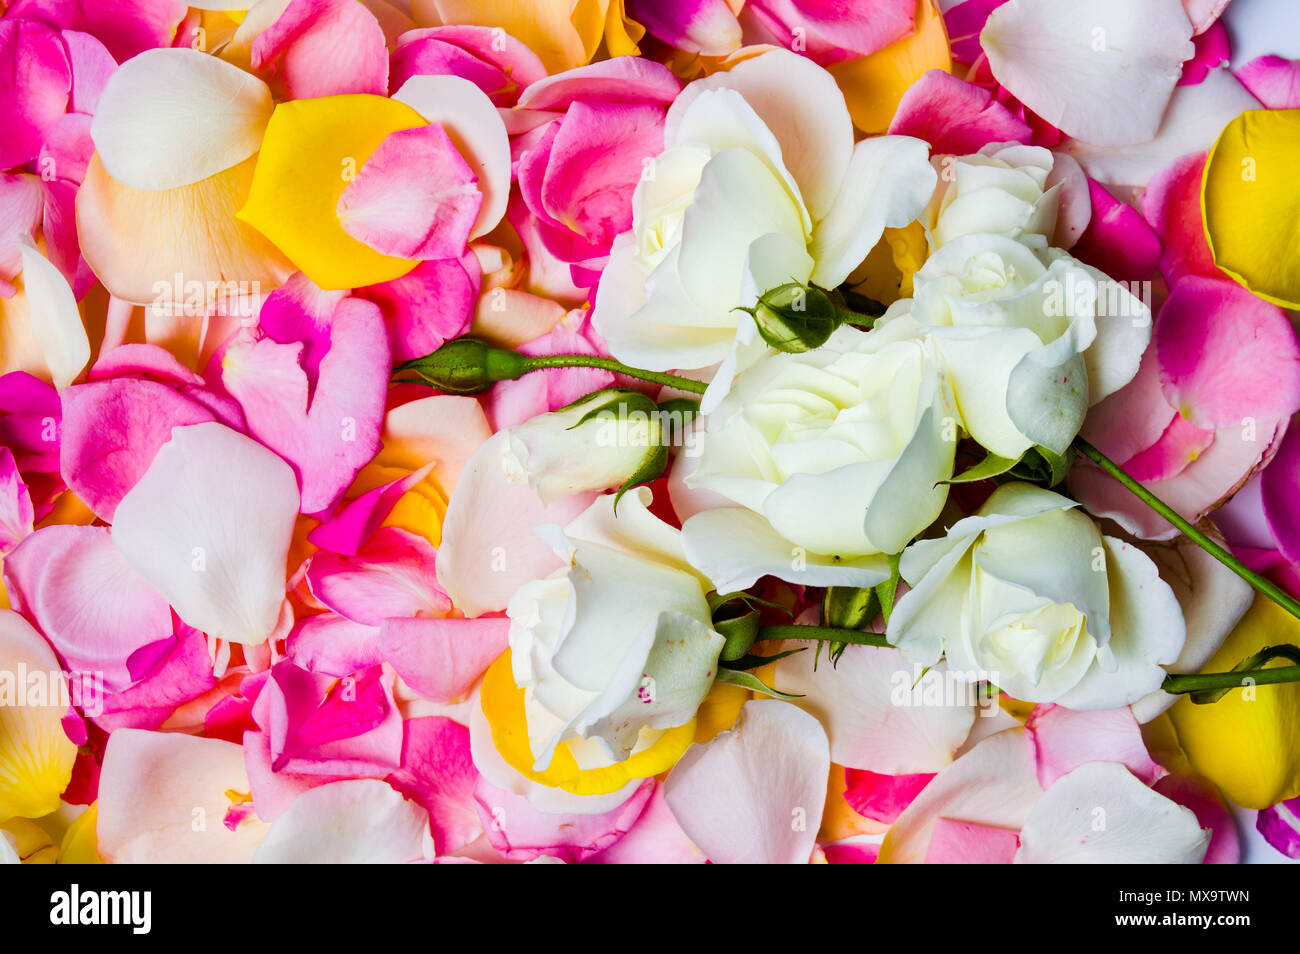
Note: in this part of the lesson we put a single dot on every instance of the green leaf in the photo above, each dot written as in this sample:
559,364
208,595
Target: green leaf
751,661
990,466
749,681
888,590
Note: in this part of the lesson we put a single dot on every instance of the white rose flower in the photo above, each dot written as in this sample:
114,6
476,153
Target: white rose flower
1030,341
616,646
1028,594
760,184
831,457
1001,190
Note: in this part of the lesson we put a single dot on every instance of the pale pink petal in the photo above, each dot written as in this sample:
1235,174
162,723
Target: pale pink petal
445,429
334,645
490,58
322,48
1180,444
20,215
16,511
1117,240
655,839
623,79
438,773
163,796
488,550
707,27
208,526
92,65
415,197
1203,13
353,821
829,31
1226,355
1063,739
74,585
739,796
1172,204
35,81
522,833
954,116
392,575
1272,80
441,659
883,797
965,843
273,792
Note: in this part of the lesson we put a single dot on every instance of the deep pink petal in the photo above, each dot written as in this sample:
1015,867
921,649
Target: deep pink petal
1180,444
882,797
1172,205
1225,355
441,659
1212,51
1280,492
415,197
184,673
16,511
393,575
35,82
125,27
430,304
494,61
347,530
1280,826
624,79
708,27
322,48
954,116
963,23
829,31
438,772
1272,80
1117,240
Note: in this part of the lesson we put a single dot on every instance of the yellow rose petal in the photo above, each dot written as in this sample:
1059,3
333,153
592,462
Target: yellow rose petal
80,843
1250,198
874,84
503,705
1248,743
312,149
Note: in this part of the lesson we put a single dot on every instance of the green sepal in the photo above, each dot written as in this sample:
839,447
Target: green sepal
887,590
747,680
991,466
752,661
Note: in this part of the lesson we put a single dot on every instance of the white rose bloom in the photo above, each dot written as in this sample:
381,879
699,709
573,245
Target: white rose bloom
760,184
616,646
832,458
1002,190
1030,341
1029,594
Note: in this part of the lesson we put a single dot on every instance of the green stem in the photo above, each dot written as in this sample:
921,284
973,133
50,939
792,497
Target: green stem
617,367
1220,553
831,634
1197,682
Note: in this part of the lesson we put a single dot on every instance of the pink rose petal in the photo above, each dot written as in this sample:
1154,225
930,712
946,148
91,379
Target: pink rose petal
392,575
438,772
954,116
882,797
322,48
441,659
965,843
1272,80
1117,240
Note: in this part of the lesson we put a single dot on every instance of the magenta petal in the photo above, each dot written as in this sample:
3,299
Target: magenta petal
322,48
415,197
965,843
954,116
334,645
35,81
355,523
1061,740
393,575
1272,80
438,772
623,79
125,27
882,797
1212,51
111,432
964,23
1225,355
1172,204
16,512
708,27
1279,490
441,659
1280,826
1180,444
78,590
1117,240
521,833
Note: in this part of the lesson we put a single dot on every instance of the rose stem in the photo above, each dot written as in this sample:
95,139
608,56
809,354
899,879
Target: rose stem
542,362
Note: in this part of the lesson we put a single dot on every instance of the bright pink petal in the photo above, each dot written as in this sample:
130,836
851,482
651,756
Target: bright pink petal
829,31
708,27
963,23
1278,490
964,843
142,360
391,576
1226,355
438,772
415,197
30,421
624,79
954,116
1212,51
322,48
319,725
184,673
441,659
1272,80
882,797
16,512
1200,795
111,432
77,589
512,402
849,853
492,60
1280,826
125,27
1061,740
1117,240
35,81
1172,204
1180,444
347,530
521,833
427,306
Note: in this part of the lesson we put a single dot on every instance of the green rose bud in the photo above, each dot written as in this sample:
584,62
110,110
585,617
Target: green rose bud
466,365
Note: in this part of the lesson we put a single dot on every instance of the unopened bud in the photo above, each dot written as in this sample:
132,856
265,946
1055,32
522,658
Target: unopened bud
796,317
466,365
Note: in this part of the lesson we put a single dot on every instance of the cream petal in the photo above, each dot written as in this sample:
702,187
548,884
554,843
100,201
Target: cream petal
354,821
55,322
